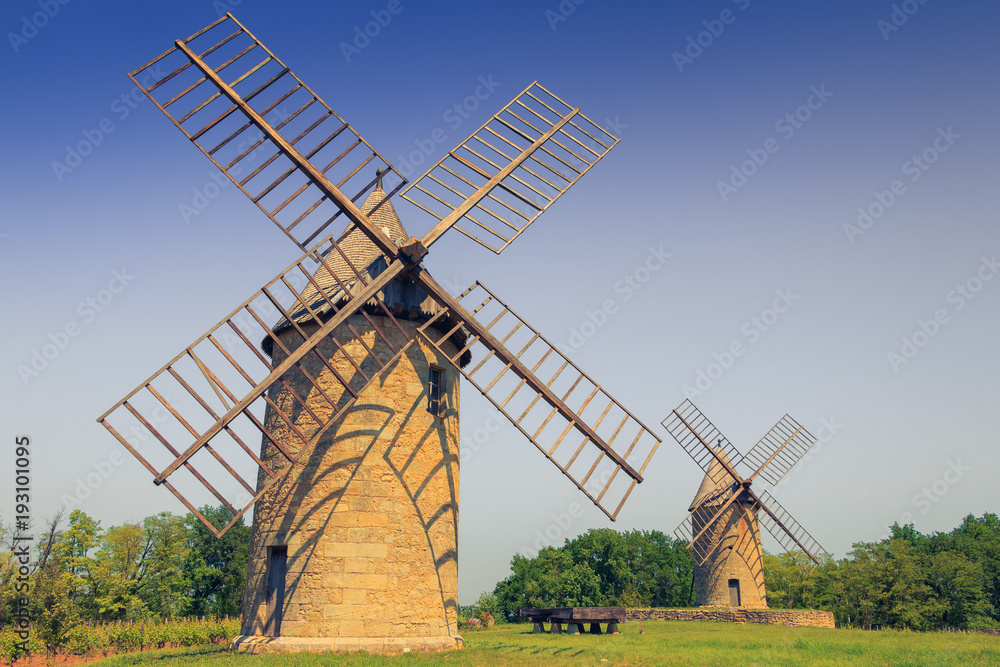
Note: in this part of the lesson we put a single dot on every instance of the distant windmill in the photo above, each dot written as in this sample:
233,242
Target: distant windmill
723,527
354,389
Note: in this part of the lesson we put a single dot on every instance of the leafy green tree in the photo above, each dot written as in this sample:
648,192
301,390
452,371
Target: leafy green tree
602,567
165,588
216,568
978,539
117,573
958,584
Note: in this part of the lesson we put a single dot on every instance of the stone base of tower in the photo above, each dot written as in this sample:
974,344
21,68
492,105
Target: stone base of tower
385,645
729,583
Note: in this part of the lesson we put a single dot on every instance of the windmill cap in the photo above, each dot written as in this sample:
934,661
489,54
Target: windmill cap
404,298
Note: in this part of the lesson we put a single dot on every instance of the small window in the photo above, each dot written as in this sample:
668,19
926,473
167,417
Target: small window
435,391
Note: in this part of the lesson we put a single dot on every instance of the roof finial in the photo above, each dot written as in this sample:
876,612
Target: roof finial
378,178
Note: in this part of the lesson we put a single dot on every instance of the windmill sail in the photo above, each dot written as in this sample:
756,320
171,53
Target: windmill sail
205,407
265,129
779,450
509,171
792,537
704,443
574,422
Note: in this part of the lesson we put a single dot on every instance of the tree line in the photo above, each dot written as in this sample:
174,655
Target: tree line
170,566
600,568
166,566
906,581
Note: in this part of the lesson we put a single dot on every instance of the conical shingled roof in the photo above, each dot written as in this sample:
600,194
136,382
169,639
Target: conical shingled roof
356,244
717,481
362,253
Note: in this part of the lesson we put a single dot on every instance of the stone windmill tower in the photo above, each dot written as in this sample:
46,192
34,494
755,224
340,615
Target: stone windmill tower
354,391
358,540
723,525
733,574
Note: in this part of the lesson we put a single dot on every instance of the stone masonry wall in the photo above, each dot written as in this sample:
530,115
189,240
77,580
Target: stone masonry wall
789,617
370,515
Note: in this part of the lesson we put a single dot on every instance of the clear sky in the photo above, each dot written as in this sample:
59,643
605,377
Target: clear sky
751,135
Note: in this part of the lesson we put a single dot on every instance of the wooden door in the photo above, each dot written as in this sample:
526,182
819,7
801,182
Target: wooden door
734,592
276,567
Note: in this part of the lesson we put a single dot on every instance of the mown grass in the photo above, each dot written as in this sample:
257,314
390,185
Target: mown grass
664,643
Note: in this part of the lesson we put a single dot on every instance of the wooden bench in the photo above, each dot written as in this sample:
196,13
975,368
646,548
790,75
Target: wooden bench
575,618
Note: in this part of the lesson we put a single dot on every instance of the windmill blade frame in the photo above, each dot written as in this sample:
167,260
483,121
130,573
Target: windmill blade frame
779,450
228,354
792,537
499,173
546,416
232,130
694,432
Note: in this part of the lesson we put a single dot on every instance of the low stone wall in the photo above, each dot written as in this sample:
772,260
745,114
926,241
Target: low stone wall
789,617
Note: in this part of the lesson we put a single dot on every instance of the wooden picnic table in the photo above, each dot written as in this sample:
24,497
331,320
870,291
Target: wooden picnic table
575,618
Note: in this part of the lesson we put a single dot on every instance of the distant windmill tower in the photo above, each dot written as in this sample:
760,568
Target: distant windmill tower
723,527
354,390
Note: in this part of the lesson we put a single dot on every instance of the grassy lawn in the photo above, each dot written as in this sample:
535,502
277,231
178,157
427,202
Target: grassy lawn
664,643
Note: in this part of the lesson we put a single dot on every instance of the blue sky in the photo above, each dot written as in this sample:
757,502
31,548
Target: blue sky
746,157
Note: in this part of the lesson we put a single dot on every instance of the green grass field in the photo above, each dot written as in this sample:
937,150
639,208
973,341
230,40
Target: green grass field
664,643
